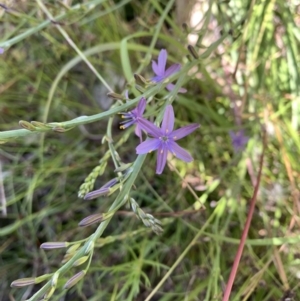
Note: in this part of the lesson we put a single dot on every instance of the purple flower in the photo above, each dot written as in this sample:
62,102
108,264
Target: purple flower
134,116
164,139
159,68
238,140
1,50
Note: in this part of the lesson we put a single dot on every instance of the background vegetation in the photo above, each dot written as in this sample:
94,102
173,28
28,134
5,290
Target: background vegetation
249,81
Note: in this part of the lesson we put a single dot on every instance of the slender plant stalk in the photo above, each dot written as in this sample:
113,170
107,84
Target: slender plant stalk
246,228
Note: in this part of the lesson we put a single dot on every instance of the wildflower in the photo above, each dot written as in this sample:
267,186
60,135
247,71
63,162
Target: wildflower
159,68
134,116
238,140
1,50
164,139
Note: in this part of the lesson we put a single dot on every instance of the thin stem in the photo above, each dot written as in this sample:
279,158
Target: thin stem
246,228
119,201
73,45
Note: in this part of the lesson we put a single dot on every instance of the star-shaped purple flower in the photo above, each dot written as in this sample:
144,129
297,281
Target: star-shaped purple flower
164,139
238,140
134,116
159,68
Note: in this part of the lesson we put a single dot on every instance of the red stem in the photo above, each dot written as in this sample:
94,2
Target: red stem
246,228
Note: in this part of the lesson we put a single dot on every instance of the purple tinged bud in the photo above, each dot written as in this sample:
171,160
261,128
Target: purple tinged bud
54,245
23,282
91,219
104,190
73,280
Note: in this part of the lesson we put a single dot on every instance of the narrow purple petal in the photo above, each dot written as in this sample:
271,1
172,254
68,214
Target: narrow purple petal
162,60
168,120
148,146
162,153
1,50
141,107
138,132
149,127
172,69
170,87
179,152
155,68
126,123
184,131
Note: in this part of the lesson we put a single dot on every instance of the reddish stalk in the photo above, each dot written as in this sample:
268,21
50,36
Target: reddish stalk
246,228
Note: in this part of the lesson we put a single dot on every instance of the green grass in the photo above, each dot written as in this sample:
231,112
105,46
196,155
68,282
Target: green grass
58,73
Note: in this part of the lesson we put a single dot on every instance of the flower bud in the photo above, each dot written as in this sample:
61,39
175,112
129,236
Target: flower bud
91,219
115,95
73,280
73,248
27,126
140,80
80,261
53,245
193,52
23,282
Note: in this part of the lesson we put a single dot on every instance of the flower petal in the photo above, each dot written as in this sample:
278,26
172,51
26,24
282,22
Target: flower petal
148,146
168,120
155,68
184,131
149,127
161,159
238,140
170,87
141,107
138,132
172,69
179,152
162,60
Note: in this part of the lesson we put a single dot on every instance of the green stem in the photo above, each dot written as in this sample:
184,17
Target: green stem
119,201
74,46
